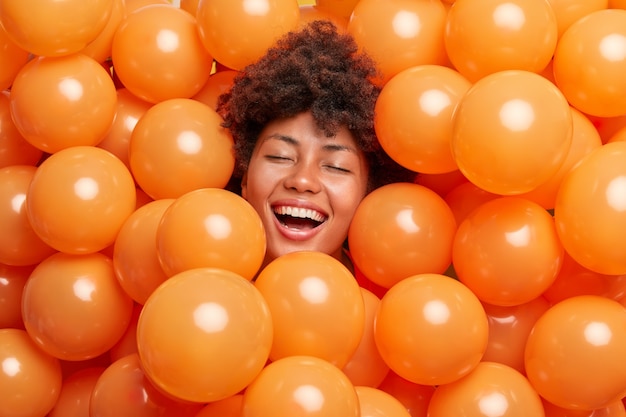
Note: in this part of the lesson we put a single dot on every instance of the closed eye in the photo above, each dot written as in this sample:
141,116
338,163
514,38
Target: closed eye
338,168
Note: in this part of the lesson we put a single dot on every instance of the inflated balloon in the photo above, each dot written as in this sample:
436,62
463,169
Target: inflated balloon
483,37
217,84
366,367
615,409
19,244
123,390
30,379
100,48
56,28
211,227
590,210
511,132
127,344
374,402
491,389
589,61
228,407
132,5
400,34
509,328
435,310
76,393
507,251
14,149
129,109
413,118
466,197
619,136
316,306
574,353
135,258
64,101
400,230
79,198
226,327
441,184
309,13
190,6
178,146
12,281
341,8
414,397
569,11
304,386
73,307
259,24
169,62
13,58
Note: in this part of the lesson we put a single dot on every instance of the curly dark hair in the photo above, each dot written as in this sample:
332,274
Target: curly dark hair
315,69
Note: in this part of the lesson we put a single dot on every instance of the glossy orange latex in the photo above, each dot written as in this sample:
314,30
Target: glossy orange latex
178,146
217,84
366,367
190,6
226,327
123,390
507,251
374,402
441,184
158,55
76,393
135,257
100,48
129,109
569,11
615,409
490,389
73,306
228,407
57,28
399,34
511,132
574,354
413,118
483,37
30,379
211,227
316,306
466,197
19,244
13,59
341,8
414,397
509,328
590,210
401,230
14,149
61,102
12,281
589,61
127,344
309,13
300,386
259,25
417,322
79,198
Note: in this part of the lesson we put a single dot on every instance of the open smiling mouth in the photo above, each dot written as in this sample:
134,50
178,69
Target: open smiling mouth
299,218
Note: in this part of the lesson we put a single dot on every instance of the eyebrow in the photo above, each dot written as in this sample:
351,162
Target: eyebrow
333,147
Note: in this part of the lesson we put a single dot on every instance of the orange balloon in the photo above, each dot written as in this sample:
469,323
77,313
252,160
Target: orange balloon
132,5
615,409
211,227
511,131
366,367
374,402
76,393
14,149
12,281
340,8
585,138
13,58
465,198
178,146
135,258
79,198
259,25
441,184
414,397
575,353
590,210
216,85
509,328
73,306
400,34
413,118
316,305
56,28
569,11
619,136
226,326
303,386
507,251
19,244
483,37
123,390
61,102
228,407
589,63
417,322
401,230
617,4
309,13
127,344
491,389
30,381
158,55
100,48
190,6
129,109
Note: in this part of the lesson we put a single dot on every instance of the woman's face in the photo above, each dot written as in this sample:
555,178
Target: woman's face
305,186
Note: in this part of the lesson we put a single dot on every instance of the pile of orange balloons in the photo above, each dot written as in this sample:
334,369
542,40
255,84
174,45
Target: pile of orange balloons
131,280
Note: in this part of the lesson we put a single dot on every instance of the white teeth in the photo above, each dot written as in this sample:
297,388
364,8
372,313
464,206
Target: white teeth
301,213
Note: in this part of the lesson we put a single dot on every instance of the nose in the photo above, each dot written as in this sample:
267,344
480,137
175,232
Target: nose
304,177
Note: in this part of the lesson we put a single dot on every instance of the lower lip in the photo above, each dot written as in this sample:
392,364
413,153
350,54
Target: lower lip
296,234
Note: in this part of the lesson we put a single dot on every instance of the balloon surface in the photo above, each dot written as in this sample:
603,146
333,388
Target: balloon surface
12,281
14,149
